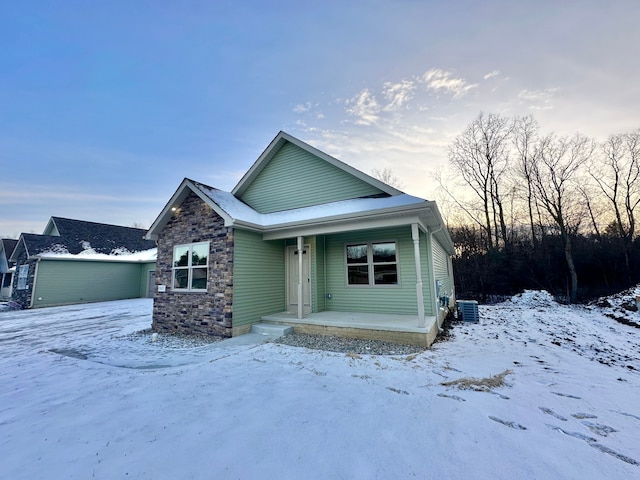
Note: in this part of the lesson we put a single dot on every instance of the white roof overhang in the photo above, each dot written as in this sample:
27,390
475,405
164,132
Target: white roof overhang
346,215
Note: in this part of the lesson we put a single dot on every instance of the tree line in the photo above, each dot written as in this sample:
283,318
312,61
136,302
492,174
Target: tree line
533,210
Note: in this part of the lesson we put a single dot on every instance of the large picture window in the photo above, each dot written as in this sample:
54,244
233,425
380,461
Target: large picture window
190,267
373,263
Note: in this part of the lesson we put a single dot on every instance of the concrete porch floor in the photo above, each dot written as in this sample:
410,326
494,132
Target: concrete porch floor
368,326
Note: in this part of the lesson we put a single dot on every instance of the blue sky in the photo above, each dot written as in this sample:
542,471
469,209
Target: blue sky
106,106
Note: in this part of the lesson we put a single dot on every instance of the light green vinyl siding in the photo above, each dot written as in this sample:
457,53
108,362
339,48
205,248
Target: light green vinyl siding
428,283
145,268
441,268
295,178
258,277
67,282
381,299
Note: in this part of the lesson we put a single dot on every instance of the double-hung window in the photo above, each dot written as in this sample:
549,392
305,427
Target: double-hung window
372,264
23,273
190,267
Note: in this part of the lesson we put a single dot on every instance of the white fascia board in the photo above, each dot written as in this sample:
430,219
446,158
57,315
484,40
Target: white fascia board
176,200
443,233
276,145
228,221
258,165
51,228
63,258
343,225
20,240
343,166
162,219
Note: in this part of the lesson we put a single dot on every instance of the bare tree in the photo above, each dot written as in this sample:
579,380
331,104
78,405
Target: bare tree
555,179
481,156
617,175
386,175
525,137
593,207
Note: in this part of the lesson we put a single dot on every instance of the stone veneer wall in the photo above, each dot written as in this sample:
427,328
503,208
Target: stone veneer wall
23,297
207,313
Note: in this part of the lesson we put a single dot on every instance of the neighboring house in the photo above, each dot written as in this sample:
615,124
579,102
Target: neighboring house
306,240
6,267
74,261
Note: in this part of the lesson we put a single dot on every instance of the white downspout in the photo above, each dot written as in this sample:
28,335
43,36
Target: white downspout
300,270
415,235
435,293
451,279
35,279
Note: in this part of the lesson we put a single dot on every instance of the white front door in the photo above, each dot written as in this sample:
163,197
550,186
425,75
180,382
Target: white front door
293,276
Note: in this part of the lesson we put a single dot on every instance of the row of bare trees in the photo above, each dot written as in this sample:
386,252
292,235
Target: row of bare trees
510,184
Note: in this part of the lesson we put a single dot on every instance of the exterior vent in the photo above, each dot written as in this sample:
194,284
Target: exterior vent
469,310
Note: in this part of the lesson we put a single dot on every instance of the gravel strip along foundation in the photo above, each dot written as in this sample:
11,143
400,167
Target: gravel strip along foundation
347,345
176,341
315,342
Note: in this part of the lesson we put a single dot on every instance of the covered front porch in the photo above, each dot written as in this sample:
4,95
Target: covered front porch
369,326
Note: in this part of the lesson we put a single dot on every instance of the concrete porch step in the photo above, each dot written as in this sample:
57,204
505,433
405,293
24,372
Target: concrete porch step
271,329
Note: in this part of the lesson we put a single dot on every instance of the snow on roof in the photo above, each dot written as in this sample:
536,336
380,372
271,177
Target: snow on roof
241,211
117,255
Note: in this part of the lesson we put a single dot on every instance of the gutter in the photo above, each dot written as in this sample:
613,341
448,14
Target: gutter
35,280
333,220
103,260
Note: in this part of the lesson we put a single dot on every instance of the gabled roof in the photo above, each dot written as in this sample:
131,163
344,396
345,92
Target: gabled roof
8,245
387,207
6,249
104,238
276,145
353,214
76,236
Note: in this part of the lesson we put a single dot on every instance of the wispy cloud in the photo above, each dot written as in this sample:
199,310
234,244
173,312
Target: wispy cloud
364,107
385,125
302,107
398,94
538,99
489,75
442,81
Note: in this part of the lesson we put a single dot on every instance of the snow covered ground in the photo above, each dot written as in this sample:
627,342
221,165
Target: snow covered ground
82,398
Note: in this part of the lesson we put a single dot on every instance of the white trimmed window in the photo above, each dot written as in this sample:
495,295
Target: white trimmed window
23,273
190,267
372,264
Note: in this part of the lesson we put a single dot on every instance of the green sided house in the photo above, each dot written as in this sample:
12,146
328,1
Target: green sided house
75,261
304,240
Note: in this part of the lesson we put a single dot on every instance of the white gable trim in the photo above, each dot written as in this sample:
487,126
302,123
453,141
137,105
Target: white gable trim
14,257
390,211
275,146
51,228
176,200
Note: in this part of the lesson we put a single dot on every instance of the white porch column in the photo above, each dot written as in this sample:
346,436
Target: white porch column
415,235
300,270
